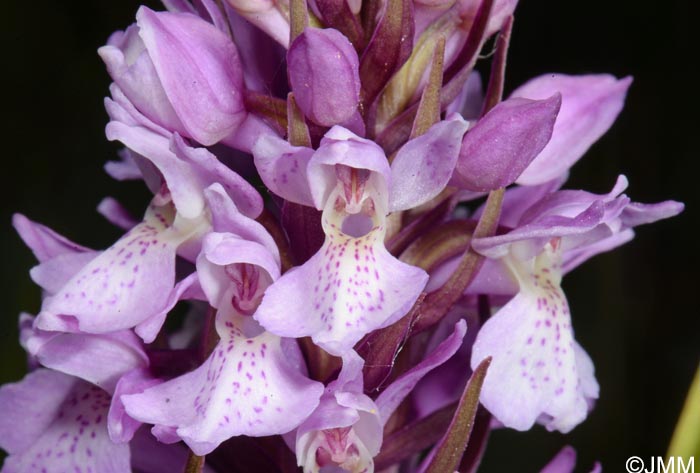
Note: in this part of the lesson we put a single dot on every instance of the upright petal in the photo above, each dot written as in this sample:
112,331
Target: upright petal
44,242
340,146
116,213
282,168
590,104
59,258
226,218
423,166
580,217
228,263
639,214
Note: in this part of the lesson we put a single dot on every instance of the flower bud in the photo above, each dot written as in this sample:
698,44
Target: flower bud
504,142
324,75
181,72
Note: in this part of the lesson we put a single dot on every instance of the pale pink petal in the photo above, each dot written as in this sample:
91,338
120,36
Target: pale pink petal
246,387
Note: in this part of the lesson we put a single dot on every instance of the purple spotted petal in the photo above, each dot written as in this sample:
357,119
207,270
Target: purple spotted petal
282,168
248,386
504,142
68,428
38,396
123,286
323,70
535,356
589,107
53,274
98,359
350,287
200,70
423,166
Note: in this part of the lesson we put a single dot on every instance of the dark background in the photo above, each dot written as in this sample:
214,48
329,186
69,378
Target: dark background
633,309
